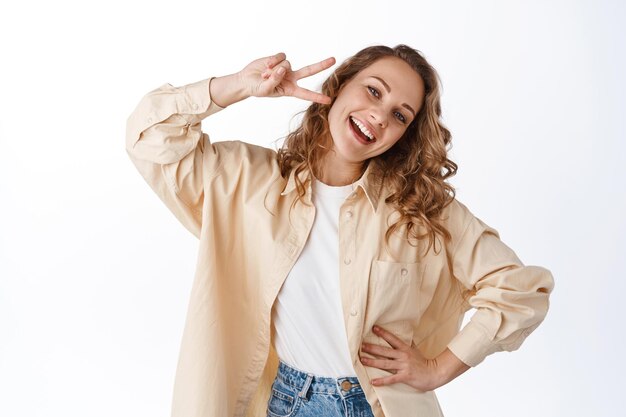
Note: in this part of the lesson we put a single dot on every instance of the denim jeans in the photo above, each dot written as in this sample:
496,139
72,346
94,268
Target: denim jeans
297,393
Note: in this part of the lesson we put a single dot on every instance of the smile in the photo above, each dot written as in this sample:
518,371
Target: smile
361,132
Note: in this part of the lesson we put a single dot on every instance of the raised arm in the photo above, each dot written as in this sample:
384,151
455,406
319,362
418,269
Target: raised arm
165,141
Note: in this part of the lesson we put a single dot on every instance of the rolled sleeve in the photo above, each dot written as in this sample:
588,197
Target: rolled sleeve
510,299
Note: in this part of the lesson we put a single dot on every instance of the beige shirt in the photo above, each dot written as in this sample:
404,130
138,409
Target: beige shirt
231,196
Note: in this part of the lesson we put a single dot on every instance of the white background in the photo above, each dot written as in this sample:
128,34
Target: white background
95,272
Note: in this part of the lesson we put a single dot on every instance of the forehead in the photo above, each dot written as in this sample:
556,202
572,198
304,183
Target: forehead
404,81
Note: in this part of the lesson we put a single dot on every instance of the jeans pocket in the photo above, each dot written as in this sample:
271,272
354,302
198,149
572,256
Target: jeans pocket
283,401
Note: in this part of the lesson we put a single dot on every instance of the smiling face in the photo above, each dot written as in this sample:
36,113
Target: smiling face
373,110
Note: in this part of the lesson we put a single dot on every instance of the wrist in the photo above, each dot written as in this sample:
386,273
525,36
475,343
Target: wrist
448,367
227,90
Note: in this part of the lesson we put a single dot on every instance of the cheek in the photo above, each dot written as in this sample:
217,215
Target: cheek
332,119
396,134
335,115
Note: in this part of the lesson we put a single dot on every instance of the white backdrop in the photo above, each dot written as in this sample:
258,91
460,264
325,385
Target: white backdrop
95,273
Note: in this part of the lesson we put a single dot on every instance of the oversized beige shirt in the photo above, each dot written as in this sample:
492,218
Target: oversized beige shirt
232,197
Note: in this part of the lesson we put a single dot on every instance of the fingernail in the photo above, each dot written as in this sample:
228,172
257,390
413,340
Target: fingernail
376,328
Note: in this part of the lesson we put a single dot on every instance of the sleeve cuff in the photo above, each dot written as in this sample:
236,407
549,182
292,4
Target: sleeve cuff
198,101
472,345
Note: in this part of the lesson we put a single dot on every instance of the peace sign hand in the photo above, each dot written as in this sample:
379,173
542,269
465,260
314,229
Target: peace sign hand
272,77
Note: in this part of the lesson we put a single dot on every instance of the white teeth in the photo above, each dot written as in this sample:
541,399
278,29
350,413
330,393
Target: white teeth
363,128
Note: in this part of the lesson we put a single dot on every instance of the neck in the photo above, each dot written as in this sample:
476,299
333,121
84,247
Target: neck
337,173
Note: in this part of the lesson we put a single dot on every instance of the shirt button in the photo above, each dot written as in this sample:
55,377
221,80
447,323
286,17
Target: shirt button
347,261
195,106
149,119
349,214
353,312
404,271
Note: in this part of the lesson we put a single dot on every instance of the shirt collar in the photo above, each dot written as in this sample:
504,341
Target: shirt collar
370,183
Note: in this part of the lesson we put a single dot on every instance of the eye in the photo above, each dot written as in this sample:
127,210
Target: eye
400,116
373,91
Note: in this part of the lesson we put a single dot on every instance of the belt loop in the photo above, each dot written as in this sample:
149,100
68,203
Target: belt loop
305,388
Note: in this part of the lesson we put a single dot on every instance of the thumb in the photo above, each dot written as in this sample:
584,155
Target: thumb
279,73
416,351
269,86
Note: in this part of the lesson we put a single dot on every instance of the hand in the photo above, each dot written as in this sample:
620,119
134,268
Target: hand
272,77
409,366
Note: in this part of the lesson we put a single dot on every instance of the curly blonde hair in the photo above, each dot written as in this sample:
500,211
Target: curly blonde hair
415,168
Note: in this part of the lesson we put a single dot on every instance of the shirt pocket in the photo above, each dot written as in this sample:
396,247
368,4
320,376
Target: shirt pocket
394,289
393,296
393,300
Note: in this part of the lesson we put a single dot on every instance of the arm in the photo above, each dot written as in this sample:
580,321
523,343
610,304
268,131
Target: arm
510,298
165,142
448,367
167,146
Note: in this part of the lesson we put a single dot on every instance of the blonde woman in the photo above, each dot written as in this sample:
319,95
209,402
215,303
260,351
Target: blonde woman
333,274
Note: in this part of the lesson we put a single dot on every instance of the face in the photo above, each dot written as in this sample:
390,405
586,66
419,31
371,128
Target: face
374,108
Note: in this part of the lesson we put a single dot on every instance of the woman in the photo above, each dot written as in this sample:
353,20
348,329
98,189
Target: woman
334,274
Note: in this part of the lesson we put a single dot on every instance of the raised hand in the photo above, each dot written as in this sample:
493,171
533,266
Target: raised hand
267,77
273,77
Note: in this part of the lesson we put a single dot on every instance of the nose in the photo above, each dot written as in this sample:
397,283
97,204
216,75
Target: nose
377,116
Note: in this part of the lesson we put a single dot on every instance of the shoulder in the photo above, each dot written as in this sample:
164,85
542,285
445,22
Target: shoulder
248,168
461,222
456,216
244,149
238,154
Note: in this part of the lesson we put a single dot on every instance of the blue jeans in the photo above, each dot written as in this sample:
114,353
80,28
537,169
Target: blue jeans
297,393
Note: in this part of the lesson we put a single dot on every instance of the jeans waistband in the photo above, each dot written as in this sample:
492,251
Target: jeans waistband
305,382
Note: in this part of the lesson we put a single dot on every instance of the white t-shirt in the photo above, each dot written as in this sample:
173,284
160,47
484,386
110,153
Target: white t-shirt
308,318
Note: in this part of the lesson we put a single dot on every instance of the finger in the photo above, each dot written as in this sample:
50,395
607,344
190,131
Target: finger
309,95
275,59
270,85
277,76
383,351
391,338
314,68
387,380
284,66
380,363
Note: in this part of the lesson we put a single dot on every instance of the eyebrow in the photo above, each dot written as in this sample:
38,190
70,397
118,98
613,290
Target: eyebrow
389,90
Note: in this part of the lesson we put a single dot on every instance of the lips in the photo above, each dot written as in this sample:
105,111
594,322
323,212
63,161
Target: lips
360,136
